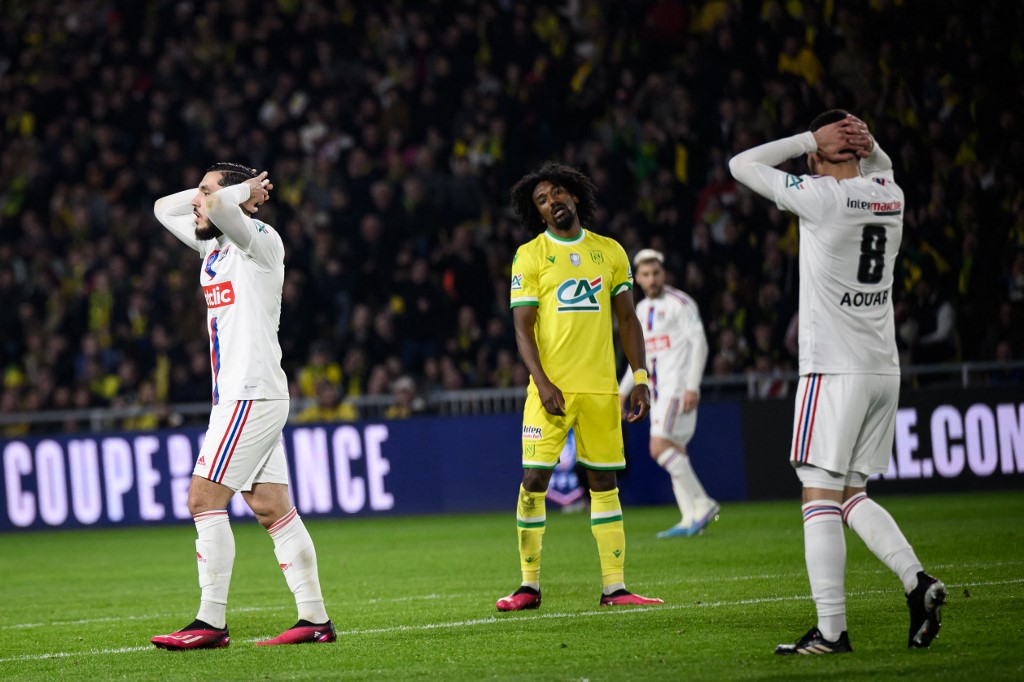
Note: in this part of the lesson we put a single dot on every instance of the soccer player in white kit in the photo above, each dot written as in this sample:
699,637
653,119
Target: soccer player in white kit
241,271
676,354
851,223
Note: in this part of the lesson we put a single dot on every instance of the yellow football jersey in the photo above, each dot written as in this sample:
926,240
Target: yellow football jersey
572,283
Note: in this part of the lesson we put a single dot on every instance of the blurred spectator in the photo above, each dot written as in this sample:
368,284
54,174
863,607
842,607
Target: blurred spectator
930,327
328,405
407,402
393,130
320,367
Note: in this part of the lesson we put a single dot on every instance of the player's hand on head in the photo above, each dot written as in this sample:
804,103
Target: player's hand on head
259,191
639,403
833,141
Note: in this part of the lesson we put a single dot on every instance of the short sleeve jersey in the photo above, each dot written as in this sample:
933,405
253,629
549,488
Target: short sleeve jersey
572,283
850,232
243,302
671,324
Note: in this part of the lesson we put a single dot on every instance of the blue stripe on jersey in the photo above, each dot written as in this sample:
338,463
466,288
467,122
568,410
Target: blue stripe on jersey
215,341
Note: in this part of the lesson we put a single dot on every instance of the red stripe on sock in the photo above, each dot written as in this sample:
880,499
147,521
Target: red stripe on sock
851,503
283,521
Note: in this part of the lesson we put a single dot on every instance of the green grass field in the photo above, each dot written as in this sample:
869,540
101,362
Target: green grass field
413,598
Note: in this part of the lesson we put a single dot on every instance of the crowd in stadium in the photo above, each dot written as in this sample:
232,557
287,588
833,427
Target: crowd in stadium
393,132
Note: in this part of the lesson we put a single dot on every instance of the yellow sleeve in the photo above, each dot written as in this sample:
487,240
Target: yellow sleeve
622,272
524,289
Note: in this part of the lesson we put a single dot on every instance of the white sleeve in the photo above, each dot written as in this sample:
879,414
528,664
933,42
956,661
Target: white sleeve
175,213
877,163
698,353
224,211
798,194
626,382
256,240
755,167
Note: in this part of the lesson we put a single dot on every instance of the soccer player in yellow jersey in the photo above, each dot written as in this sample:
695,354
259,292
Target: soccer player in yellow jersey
566,283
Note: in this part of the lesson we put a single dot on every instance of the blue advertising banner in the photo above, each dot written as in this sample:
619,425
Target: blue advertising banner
962,440
415,466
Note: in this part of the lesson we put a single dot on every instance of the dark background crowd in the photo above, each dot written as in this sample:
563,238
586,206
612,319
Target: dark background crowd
393,132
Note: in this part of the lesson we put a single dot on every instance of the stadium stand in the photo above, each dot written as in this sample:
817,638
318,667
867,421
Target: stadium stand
393,130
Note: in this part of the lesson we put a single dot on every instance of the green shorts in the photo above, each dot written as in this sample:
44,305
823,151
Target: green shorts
596,419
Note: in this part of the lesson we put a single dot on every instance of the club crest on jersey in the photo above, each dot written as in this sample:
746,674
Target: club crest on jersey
517,282
210,260
219,295
579,295
574,258
597,257
794,182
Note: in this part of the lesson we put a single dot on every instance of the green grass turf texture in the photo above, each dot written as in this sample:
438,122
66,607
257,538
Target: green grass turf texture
413,598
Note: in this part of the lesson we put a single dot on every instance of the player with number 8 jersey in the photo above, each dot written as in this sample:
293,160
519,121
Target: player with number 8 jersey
850,232
851,225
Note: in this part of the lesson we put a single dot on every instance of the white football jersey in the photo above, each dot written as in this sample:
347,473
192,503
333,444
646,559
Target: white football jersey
242,274
850,232
676,347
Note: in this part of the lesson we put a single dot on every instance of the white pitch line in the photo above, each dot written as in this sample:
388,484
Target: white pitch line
244,609
494,620
67,654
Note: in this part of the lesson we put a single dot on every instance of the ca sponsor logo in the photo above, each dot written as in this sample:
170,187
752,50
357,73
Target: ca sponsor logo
794,182
579,295
517,282
219,295
532,433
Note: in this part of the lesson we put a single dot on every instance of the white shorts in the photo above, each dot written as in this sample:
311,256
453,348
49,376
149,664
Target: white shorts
845,422
670,422
243,444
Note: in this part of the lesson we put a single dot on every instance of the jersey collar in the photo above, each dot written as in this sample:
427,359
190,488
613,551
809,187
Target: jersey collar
560,240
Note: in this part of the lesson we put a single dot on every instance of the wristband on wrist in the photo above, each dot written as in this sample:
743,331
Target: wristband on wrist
640,377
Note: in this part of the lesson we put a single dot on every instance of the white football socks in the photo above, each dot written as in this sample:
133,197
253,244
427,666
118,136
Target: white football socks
215,556
297,559
825,554
879,531
690,494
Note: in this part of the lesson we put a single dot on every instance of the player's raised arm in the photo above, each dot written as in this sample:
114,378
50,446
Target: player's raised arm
631,334
524,318
175,212
225,209
755,167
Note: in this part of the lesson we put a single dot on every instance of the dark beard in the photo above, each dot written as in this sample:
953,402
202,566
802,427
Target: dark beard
209,232
566,221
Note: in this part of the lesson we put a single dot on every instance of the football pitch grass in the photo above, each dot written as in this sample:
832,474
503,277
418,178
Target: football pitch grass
413,598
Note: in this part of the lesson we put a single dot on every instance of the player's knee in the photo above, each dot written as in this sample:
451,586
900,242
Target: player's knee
205,495
536,480
601,481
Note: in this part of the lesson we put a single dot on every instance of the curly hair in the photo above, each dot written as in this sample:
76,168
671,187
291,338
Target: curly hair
231,173
560,175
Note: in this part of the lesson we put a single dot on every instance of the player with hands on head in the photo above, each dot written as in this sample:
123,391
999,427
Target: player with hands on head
677,351
567,283
851,224
241,272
